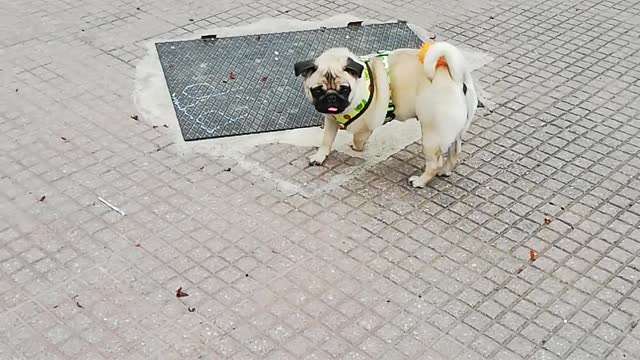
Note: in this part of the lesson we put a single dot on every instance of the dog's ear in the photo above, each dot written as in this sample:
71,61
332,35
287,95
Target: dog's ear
354,68
305,68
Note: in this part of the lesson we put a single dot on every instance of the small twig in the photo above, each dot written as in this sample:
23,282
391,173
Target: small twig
119,211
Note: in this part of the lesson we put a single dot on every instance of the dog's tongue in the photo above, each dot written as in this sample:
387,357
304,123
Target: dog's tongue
333,109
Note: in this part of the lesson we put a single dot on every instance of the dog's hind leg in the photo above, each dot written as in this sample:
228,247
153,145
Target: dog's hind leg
453,155
433,161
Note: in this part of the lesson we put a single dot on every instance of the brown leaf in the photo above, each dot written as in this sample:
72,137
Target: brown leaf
180,293
547,221
532,255
232,75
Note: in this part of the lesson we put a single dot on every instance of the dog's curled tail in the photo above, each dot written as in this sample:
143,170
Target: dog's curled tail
453,60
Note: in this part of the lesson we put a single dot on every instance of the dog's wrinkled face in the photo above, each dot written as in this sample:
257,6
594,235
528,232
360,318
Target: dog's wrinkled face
330,80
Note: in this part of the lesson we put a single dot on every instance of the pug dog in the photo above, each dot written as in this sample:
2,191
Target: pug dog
358,94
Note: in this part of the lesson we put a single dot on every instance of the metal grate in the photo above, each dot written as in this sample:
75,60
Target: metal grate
244,85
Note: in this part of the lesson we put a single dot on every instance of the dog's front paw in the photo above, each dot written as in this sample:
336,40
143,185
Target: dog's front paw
317,159
417,182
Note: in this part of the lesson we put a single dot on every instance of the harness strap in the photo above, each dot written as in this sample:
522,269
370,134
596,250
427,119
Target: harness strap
366,105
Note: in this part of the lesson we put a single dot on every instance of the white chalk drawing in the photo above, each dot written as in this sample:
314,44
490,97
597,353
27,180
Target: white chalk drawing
200,93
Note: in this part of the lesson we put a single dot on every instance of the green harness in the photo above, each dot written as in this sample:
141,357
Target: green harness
346,118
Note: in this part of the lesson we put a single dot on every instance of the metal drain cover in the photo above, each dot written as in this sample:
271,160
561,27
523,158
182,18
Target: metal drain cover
244,85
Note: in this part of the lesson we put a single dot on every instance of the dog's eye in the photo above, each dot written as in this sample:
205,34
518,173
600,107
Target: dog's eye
317,91
344,89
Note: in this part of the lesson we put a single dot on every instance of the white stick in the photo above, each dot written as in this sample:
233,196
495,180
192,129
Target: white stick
119,211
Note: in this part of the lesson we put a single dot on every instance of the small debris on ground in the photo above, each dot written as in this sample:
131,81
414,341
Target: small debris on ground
532,255
190,19
42,198
155,126
227,169
165,126
119,211
433,37
75,297
552,203
520,269
191,309
246,275
180,293
263,78
64,139
232,75
137,245
201,168
137,8
547,221
134,117
16,90
491,17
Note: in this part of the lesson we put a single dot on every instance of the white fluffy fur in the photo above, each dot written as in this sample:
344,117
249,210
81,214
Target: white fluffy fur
451,54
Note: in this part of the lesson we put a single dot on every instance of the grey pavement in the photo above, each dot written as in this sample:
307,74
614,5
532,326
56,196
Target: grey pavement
372,269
